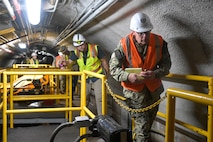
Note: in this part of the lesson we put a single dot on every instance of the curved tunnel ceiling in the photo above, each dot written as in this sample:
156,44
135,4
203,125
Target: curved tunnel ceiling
60,19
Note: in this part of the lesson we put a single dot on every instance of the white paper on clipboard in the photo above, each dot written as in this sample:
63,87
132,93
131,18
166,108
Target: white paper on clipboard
133,70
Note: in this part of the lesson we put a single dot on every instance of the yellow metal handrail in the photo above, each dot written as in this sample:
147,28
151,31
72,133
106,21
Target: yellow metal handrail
207,79
31,65
1,84
201,98
83,100
68,108
206,98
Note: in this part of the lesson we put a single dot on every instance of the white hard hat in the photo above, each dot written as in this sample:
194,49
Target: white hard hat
140,22
33,54
78,39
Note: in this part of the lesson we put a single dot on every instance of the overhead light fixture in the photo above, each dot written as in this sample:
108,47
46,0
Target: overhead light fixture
22,45
33,11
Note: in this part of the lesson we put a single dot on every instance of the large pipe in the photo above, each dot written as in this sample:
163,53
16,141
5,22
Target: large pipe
94,12
17,6
80,19
18,9
54,7
69,27
9,8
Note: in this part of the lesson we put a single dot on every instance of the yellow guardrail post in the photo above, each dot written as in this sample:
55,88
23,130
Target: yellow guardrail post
170,118
4,114
69,90
192,96
104,96
12,77
83,101
210,114
68,101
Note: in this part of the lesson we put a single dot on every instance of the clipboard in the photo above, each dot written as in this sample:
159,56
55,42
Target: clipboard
133,70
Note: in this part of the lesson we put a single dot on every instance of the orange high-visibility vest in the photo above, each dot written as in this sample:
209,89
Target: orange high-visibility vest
134,60
59,59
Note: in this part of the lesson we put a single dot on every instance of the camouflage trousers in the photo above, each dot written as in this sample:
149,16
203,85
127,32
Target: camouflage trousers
143,120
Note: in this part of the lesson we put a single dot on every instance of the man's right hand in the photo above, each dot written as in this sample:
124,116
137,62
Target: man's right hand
135,78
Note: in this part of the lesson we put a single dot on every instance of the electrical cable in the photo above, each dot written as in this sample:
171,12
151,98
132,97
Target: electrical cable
83,137
158,132
63,125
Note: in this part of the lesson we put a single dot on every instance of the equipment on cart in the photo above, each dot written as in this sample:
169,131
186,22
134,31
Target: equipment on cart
28,84
101,126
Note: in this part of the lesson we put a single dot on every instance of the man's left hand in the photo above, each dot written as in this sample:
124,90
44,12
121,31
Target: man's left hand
148,74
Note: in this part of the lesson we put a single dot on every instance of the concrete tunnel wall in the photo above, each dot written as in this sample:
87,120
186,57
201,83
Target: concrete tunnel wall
185,25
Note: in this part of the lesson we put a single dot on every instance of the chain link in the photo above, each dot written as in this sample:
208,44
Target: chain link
131,109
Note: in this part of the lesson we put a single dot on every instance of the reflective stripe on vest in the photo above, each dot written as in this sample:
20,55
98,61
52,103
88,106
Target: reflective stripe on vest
93,63
154,55
34,62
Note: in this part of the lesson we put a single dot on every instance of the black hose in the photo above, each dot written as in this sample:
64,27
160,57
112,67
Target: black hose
83,137
158,132
55,132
